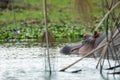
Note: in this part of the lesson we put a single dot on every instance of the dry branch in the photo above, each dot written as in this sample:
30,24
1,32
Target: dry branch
99,47
102,55
106,15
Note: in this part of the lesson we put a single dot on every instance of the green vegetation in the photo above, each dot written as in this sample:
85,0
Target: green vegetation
63,21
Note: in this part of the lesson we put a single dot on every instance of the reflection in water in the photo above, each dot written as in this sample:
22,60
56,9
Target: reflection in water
48,76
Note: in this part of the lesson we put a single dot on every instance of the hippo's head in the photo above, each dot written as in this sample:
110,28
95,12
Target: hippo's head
88,43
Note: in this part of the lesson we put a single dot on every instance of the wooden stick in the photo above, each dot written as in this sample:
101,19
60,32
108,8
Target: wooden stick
46,35
104,50
102,54
99,47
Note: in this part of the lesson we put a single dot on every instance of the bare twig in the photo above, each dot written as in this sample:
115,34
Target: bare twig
99,47
106,15
102,54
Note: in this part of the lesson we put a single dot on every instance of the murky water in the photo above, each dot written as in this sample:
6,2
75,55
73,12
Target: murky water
29,64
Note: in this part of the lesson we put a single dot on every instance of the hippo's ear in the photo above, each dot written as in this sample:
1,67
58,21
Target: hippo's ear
96,34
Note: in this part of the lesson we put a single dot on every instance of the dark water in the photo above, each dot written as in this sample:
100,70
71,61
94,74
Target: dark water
18,63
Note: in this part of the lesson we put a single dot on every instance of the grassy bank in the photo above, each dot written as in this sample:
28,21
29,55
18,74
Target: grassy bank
63,21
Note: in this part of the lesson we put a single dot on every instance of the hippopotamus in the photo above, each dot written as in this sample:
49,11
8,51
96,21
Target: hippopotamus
88,43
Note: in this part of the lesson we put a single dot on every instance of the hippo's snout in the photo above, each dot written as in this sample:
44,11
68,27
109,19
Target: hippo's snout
66,50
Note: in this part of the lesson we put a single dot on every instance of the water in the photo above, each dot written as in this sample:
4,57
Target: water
29,64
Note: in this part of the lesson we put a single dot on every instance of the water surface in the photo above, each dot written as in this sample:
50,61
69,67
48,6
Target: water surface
18,63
